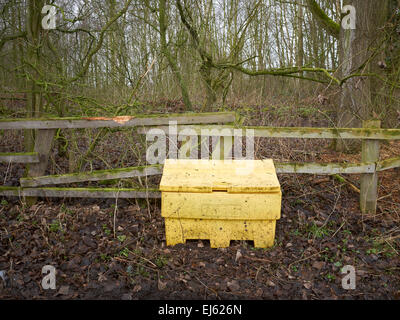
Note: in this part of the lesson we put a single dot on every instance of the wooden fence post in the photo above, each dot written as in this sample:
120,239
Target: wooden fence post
369,181
43,141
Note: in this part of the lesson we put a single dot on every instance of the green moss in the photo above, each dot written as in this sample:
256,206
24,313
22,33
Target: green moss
5,154
327,23
108,182
13,190
394,133
307,132
84,175
359,133
16,190
339,178
299,167
388,164
98,189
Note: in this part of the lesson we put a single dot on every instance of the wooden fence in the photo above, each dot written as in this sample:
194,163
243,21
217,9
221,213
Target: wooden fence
36,185
46,129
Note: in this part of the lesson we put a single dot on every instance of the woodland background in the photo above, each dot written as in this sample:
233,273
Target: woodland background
112,56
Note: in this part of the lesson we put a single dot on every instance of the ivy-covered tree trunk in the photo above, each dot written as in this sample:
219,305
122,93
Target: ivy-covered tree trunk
360,52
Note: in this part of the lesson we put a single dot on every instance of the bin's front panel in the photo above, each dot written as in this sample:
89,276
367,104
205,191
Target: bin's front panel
220,232
221,205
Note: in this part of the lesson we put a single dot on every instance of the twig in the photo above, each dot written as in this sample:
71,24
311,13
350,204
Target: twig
329,216
139,81
8,168
306,258
132,261
391,246
343,180
390,238
212,290
257,259
383,197
149,261
344,222
116,208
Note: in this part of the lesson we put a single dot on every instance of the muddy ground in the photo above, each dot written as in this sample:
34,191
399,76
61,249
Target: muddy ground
104,250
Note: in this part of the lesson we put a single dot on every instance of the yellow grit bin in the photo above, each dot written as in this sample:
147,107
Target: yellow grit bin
220,200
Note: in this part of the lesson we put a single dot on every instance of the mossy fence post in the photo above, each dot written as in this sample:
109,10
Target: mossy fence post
369,181
43,141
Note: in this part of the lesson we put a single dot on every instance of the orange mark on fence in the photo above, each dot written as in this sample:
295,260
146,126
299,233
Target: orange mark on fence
119,119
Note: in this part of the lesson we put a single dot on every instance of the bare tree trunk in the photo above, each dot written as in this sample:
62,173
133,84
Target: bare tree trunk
33,57
172,63
300,43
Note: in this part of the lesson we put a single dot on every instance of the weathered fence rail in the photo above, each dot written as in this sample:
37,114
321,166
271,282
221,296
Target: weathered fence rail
118,122
80,192
19,157
97,175
156,169
36,185
388,164
292,132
